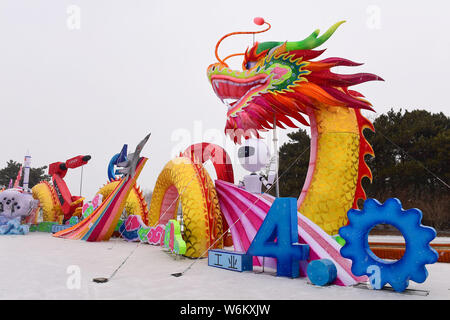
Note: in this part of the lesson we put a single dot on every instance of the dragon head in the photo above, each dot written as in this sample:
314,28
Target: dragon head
279,81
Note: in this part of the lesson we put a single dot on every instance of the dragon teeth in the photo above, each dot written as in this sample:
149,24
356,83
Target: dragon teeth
221,92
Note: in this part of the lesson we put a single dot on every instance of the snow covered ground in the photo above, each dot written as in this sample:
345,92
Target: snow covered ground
39,266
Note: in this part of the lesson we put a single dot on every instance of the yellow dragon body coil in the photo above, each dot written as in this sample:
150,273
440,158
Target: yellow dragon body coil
135,204
51,209
48,201
334,177
183,181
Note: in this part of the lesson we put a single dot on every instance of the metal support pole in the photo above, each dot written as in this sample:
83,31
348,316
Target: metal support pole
275,148
81,180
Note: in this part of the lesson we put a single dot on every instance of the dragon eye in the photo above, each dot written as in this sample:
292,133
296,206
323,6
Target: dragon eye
250,64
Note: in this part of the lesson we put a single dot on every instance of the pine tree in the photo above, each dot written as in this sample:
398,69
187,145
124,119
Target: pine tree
12,169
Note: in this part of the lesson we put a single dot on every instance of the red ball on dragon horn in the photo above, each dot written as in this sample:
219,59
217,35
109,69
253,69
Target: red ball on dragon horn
259,21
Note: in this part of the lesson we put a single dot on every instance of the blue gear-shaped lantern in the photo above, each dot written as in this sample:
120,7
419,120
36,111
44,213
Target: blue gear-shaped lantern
418,251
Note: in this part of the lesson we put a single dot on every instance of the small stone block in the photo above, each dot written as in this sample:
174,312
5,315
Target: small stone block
230,260
59,227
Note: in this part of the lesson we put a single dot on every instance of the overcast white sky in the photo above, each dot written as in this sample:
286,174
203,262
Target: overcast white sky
134,67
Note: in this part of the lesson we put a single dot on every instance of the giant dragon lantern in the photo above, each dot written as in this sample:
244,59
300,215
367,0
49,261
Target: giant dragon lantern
281,81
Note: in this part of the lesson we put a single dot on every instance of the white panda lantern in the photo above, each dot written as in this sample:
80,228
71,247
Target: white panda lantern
254,155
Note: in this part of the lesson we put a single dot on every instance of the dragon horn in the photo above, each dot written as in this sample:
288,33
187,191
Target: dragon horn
313,41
